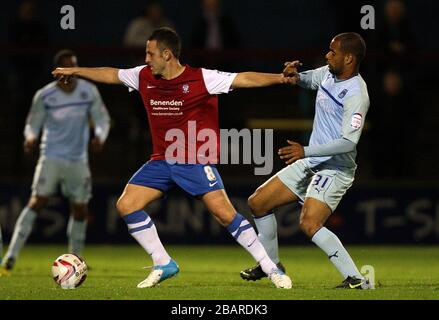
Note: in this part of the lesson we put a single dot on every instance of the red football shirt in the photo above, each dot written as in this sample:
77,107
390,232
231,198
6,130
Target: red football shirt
182,112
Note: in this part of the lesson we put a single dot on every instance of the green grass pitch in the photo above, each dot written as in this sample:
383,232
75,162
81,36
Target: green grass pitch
212,272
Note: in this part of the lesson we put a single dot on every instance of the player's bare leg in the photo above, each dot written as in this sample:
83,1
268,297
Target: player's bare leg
312,220
23,228
130,206
135,197
219,205
313,216
269,196
77,227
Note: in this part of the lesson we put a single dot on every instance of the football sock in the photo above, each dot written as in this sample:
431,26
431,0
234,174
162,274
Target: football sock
22,230
267,234
76,232
143,229
246,236
331,245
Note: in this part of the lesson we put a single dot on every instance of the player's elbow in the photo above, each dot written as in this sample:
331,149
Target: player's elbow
243,80
349,145
113,76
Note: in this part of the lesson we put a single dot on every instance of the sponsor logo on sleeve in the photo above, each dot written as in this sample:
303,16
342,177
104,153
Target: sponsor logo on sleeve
356,121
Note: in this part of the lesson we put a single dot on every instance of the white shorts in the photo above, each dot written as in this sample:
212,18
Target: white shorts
73,177
326,185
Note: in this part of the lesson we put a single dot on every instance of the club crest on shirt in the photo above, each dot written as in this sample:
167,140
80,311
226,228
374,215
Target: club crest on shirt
343,93
356,121
51,100
185,88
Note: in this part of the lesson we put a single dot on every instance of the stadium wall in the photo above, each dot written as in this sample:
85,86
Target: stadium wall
368,214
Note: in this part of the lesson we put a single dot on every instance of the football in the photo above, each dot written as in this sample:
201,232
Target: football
69,271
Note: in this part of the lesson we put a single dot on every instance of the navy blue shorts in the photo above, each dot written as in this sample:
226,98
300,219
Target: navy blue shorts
195,179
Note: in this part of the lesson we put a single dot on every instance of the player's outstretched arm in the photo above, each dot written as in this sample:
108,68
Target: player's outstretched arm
296,151
104,74
259,79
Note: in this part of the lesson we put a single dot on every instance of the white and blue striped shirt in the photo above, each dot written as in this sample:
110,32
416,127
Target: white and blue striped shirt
340,111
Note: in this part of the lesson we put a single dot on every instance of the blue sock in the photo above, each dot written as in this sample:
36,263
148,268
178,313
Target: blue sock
267,233
331,245
137,221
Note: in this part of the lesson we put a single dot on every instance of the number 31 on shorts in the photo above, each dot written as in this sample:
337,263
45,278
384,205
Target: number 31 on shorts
321,182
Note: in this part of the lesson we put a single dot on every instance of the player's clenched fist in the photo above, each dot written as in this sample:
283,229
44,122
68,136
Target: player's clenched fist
290,71
63,74
291,153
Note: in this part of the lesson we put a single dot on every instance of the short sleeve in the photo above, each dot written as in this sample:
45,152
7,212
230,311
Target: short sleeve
130,77
218,82
354,114
311,79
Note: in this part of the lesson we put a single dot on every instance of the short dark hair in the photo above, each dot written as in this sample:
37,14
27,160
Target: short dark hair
351,42
65,53
167,38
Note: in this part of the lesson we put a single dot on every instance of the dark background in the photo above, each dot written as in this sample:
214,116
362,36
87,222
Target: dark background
397,154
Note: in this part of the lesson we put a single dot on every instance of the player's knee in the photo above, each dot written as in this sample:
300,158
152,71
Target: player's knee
256,206
80,212
126,205
309,226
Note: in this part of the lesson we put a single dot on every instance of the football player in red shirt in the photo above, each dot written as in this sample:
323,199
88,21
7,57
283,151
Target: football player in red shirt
180,100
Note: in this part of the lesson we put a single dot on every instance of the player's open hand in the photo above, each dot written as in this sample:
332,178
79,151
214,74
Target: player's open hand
63,74
291,153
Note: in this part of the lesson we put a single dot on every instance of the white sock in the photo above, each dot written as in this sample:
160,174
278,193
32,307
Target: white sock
267,234
142,228
22,230
331,245
76,232
246,236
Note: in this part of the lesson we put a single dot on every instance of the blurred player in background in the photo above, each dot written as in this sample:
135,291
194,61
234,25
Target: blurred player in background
318,175
175,96
63,110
